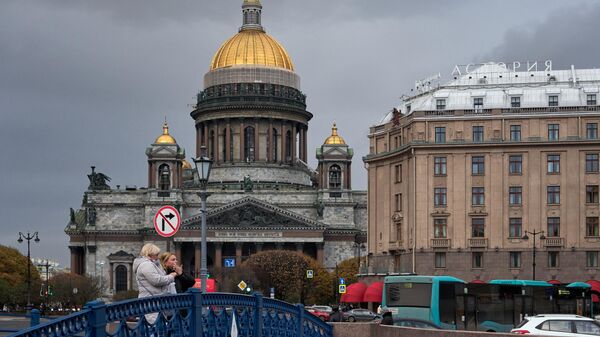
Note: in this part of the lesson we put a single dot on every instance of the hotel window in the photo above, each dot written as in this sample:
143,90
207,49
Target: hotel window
398,202
553,195
477,260
515,102
553,131
553,227
515,195
591,194
591,130
515,260
478,103
440,134
515,226
515,164
591,226
515,133
398,173
478,134
478,227
552,259
439,228
553,100
591,259
440,104
591,99
591,163
553,161
477,165
440,260
477,196
439,166
439,196
399,231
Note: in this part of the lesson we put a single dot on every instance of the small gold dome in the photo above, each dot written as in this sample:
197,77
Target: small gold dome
334,139
251,2
251,47
165,138
186,165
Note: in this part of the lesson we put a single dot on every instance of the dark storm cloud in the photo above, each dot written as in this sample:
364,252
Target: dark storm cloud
89,82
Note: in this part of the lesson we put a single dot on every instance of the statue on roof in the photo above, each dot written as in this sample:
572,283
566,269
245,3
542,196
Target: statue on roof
98,180
248,184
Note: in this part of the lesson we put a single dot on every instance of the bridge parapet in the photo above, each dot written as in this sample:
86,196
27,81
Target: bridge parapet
188,314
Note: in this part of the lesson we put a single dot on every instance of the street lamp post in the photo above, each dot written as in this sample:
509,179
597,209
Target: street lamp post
101,264
359,247
35,238
534,234
203,165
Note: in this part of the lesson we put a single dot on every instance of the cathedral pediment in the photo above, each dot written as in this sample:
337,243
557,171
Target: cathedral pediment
251,213
335,151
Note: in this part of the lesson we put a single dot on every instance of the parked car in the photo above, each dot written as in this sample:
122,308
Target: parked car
358,315
415,323
558,325
323,308
321,314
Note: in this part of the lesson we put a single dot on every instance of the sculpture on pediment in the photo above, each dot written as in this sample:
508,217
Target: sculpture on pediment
98,181
320,208
71,215
248,184
91,215
251,216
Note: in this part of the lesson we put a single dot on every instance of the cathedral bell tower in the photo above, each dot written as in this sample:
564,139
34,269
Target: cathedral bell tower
335,160
166,161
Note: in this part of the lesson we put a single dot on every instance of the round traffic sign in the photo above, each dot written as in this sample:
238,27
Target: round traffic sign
167,221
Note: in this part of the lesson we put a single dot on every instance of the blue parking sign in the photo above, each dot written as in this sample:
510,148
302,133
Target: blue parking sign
229,263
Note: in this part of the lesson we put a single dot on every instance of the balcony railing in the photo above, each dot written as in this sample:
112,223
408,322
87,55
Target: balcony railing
554,242
440,243
478,242
396,245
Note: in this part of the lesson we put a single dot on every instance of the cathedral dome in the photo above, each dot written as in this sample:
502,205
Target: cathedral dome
165,138
334,139
252,47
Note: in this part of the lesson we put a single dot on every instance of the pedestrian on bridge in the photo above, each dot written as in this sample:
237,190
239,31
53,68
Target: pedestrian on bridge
151,277
183,280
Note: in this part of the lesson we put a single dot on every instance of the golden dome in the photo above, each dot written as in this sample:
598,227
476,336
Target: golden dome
251,47
165,138
334,139
186,165
251,2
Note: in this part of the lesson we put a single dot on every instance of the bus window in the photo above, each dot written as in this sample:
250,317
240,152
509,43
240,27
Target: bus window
408,295
448,303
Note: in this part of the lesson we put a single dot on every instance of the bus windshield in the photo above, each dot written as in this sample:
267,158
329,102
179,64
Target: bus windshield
408,294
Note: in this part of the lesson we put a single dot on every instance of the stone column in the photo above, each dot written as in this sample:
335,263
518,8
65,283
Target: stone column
282,147
300,247
320,252
74,260
216,142
218,255
228,142
304,145
197,258
270,144
198,140
256,141
238,253
348,176
205,136
130,271
111,285
294,144
150,180
242,142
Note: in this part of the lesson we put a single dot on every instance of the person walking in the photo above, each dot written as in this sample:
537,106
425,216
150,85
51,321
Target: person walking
183,280
151,277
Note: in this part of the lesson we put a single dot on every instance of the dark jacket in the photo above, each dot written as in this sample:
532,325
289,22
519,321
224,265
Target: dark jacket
183,282
387,319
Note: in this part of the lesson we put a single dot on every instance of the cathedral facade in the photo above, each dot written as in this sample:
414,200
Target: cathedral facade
251,120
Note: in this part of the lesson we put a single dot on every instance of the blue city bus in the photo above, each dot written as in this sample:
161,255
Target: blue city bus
437,299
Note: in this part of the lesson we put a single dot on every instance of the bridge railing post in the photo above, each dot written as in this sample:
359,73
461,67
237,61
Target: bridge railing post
97,321
196,314
35,317
300,308
258,317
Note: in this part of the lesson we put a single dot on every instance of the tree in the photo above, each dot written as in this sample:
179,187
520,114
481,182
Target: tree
13,278
286,272
63,285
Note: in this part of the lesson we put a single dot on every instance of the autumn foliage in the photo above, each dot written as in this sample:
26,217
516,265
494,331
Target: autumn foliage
13,278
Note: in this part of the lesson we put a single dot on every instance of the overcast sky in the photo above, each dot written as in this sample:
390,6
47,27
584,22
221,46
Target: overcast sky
89,82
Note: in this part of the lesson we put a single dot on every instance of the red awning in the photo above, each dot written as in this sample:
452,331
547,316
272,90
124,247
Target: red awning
555,282
373,292
477,282
354,293
595,287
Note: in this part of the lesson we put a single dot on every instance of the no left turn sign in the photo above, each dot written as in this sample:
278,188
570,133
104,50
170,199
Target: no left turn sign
167,221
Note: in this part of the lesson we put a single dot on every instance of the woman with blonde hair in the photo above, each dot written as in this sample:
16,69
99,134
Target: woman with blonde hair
151,277
183,280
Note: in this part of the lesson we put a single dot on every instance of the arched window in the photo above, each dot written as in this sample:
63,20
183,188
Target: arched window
165,177
335,177
249,143
120,278
224,146
211,144
288,146
275,147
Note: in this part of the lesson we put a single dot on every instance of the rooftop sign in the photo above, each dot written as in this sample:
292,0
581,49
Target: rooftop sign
463,69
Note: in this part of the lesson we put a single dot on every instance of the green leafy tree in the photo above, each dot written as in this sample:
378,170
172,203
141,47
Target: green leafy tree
13,278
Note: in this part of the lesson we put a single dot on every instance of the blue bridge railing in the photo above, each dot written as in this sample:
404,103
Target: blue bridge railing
192,314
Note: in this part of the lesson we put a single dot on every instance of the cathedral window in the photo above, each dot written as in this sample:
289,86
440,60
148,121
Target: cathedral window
335,177
165,177
275,145
211,144
288,146
224,146
120,278
249,143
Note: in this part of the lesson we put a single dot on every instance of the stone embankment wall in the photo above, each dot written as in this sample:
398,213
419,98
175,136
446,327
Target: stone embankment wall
376,330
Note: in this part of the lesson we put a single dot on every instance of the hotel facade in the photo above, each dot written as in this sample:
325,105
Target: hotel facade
475,177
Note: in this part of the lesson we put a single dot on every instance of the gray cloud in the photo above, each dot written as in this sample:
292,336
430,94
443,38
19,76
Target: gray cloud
89,82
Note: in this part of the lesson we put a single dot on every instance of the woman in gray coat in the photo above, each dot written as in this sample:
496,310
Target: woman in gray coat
151,277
